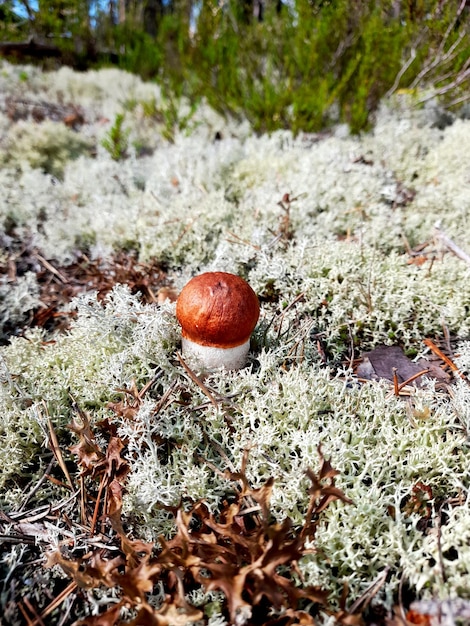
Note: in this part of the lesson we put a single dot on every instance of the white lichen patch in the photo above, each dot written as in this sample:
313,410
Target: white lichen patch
332,273
46,147
99,356
16,299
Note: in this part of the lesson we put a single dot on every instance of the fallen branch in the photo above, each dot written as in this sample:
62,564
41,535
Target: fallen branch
34,47
30,47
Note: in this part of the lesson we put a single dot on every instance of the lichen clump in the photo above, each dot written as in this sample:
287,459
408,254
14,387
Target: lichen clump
323,229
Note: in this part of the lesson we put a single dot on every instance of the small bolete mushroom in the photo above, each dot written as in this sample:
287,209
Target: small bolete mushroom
217,312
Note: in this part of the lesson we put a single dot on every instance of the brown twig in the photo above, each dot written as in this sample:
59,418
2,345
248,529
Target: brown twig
83,501
412,378
55,448
51,268
165,397
55,603
396,387
43,478
361,603
401,72
438,352
447,242
97,504
185,230
196,379
30,622
239,240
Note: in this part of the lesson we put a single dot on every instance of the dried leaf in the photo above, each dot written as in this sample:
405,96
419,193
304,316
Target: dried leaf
73,569
240,551
87,449
104,570
383,361
321,494
169,614
115,466
133,549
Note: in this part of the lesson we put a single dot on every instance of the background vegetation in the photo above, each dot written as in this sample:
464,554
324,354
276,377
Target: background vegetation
302,64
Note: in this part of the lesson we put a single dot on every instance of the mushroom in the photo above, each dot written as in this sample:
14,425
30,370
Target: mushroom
217,312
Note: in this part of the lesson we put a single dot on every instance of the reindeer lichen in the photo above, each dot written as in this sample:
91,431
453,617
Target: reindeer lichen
335,234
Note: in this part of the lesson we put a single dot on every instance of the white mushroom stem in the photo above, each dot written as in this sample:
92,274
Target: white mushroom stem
211,358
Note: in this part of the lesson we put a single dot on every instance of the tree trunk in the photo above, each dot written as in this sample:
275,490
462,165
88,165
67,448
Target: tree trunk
122,11
152,15
255,9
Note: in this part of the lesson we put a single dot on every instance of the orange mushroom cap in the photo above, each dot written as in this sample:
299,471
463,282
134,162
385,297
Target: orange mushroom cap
217,309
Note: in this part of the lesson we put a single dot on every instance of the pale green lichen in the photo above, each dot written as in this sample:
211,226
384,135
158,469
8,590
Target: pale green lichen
341,281
280,416
102,354
47,146
18,299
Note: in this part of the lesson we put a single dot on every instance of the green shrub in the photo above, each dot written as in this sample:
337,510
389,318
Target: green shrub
305,67
116,140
